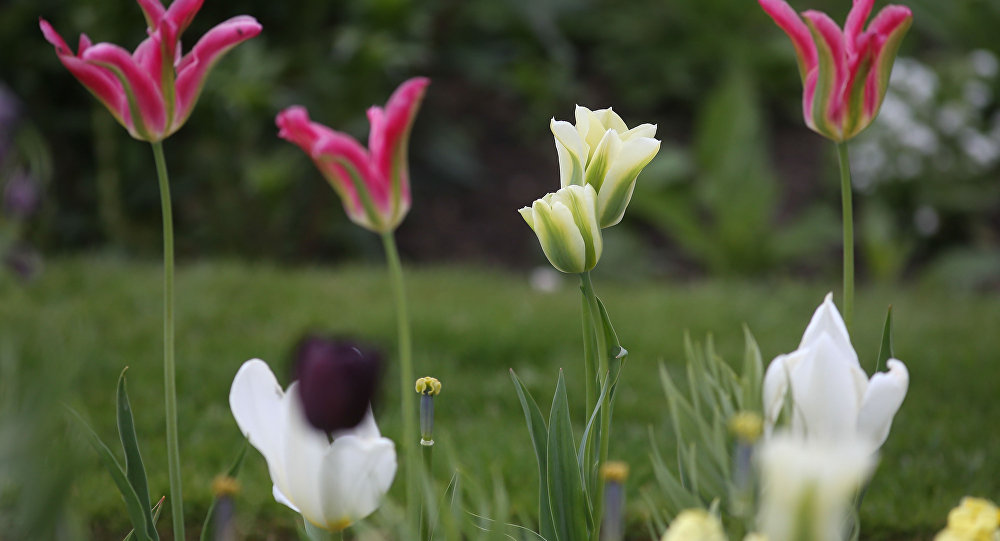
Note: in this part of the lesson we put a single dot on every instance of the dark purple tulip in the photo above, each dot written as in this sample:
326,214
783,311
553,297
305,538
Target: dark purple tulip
20,195
337,381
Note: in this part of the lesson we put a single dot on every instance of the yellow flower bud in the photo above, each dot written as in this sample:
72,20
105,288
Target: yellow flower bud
975,519
614,470
746,425
429,386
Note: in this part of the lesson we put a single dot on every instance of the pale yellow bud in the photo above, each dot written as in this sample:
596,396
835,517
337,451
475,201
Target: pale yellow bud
429,386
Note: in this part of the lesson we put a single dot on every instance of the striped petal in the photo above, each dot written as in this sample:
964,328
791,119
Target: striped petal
388,142
789,21
145,100
855,23
827,103
572,151
889,27
194,67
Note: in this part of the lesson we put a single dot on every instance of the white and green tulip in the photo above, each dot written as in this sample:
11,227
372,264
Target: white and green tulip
601,151
567,228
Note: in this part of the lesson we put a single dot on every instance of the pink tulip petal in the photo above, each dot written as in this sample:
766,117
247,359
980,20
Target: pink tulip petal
145,99
889,27
153,11
97,80
182,12
147,56
294,126
786,18
389,136
346,164
194,67
856,93
828,105
855,22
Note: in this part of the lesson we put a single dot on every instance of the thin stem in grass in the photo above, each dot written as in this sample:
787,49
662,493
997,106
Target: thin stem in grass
169,377
845,196
406,379
597,326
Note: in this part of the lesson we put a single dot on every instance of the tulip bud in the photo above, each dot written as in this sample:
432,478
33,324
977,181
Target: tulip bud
600,150
337,381
566,225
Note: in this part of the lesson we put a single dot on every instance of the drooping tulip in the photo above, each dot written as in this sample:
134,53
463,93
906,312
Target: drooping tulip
845,73
565,223
831,396
600,150
152,91
373,183
333,480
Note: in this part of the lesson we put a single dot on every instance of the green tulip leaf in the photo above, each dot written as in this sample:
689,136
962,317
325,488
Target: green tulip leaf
539,440
135,472
566,496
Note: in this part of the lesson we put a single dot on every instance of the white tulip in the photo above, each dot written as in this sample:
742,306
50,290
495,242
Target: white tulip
331,483
600,150
565,223
807,486
832,397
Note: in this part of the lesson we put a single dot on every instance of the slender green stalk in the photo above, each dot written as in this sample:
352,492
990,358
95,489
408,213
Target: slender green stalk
169,377
406,380
845,197
597,325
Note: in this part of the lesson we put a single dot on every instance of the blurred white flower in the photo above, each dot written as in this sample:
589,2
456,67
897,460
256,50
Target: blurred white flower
694,525
807,486
332,480
984,63
832,397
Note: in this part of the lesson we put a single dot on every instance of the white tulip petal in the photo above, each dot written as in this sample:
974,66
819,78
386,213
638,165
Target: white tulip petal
572,150
776,388
619,183
257,403
882,400
642,130
610,120
528,216
357,472
601,160
827,321
282,499
826,399
304,449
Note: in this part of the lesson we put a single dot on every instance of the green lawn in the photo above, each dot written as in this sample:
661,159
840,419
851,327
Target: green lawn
66,336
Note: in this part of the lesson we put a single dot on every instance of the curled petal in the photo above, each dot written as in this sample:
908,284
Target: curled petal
194,67
827,106
182,12
786,19
145,101
882,400
856,21
889,26
572,151
153,11
389,136
619,183
346,166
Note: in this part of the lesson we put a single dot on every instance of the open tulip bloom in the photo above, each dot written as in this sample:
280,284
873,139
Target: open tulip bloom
331,483
600,150
832,397
845,73
152,91
373,183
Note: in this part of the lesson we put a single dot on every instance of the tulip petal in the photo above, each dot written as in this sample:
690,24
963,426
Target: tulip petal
890,26
257,403
182,12
356,473
605,154
619,183
153,11
194,67
582,202
99,81
882,400
826,321
388,141
560,239
146,105
304,448
827,105
610,120
642,130
859,13
346,166
825,395
528,216
775,388
282,499
786,19
856,116
572,151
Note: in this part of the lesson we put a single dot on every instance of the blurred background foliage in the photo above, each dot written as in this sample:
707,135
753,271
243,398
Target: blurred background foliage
741,187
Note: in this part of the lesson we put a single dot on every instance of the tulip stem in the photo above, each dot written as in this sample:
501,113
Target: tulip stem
593,313
406,380
169,376
845,197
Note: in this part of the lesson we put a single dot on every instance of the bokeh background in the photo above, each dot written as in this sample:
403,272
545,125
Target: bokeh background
741,191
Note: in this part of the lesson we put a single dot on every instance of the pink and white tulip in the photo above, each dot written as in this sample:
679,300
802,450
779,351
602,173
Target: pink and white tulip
845,73
373,183
152,91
